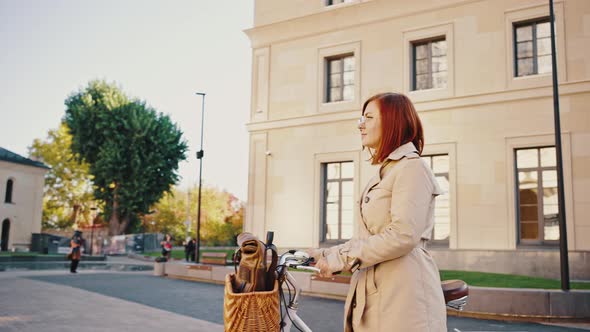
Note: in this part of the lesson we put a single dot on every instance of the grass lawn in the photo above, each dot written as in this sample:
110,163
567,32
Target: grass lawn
18,253
32,253
507,280
484,279
471,278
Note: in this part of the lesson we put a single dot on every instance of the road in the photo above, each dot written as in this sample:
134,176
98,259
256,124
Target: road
137,301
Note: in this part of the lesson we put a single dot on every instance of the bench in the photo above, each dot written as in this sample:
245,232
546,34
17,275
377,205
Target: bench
215,258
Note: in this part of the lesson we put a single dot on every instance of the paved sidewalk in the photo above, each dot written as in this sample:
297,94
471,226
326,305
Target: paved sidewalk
32,305
128,260
106,300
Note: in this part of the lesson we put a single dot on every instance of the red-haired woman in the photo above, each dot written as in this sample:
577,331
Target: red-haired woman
396,284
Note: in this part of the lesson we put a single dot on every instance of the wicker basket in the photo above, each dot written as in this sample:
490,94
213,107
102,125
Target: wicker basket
250,312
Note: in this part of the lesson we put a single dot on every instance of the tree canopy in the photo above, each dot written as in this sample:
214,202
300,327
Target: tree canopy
68,197
132,151
222,215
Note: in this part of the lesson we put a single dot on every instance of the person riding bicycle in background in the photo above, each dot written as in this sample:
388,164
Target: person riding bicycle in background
396,284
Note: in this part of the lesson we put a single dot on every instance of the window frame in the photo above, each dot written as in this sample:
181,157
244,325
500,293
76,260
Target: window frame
323,201
332,51
527,13
533,23
432,241
540,241
329,3
328,74
416,34
428,42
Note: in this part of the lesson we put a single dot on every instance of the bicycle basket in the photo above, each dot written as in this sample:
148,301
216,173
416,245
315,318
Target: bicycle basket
250,312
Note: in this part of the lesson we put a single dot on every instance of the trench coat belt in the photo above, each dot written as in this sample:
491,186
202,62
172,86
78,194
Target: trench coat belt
360,298
367,276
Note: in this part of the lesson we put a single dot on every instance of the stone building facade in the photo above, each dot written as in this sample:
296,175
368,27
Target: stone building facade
480,75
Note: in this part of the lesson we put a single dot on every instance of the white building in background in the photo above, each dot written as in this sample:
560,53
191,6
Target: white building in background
479,73
21,194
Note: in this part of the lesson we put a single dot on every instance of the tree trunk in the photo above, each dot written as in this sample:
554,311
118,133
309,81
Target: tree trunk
117,223
114,220
123,224
74,215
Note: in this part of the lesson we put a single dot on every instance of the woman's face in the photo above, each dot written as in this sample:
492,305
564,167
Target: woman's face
371,127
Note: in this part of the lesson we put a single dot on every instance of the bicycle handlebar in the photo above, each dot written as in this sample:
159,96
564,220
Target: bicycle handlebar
309,268
297,259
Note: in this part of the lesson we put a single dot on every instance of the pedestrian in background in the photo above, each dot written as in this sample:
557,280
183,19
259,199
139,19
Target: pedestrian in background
395,285
189,250
76,244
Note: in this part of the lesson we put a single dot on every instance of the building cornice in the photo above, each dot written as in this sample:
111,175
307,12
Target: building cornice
566,89
338,19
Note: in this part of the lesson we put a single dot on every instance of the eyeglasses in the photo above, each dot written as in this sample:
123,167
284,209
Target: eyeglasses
362,120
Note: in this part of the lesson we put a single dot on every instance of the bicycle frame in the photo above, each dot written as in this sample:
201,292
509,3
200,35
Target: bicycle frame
298,260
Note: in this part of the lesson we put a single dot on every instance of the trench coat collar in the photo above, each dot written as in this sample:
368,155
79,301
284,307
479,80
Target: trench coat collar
402,151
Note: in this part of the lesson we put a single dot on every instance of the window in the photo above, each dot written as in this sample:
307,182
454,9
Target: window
337,208
8,197
340,78
430,70
335,2
532,47
442,213
538,209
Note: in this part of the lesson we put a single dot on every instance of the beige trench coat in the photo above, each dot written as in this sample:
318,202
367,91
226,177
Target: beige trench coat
397,286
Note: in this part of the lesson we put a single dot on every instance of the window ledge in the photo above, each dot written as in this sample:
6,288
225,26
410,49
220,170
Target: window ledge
518,78
537,247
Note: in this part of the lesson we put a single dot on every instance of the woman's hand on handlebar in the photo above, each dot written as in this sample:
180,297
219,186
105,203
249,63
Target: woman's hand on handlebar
324,267
316,253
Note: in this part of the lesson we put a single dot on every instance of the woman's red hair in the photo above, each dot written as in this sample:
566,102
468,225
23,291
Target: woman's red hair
400,124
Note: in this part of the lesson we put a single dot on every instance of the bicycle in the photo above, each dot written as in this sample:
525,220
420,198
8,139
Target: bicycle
456,292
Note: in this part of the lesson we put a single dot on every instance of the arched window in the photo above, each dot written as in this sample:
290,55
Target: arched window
8,197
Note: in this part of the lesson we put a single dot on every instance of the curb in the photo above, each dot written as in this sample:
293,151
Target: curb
517,318
505,304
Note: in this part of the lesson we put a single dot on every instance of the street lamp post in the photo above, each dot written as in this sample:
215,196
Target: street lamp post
563,251
200,155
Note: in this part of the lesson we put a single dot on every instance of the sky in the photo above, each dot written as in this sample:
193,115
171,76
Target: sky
162,52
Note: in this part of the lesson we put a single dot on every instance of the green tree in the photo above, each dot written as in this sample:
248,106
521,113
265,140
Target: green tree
222,215
132,150
169,215
67,198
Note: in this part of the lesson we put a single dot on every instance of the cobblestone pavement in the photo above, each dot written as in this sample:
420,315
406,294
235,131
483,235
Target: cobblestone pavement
127,301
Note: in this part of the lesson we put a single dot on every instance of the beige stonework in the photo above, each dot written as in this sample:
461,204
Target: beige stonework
479,119
24,212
